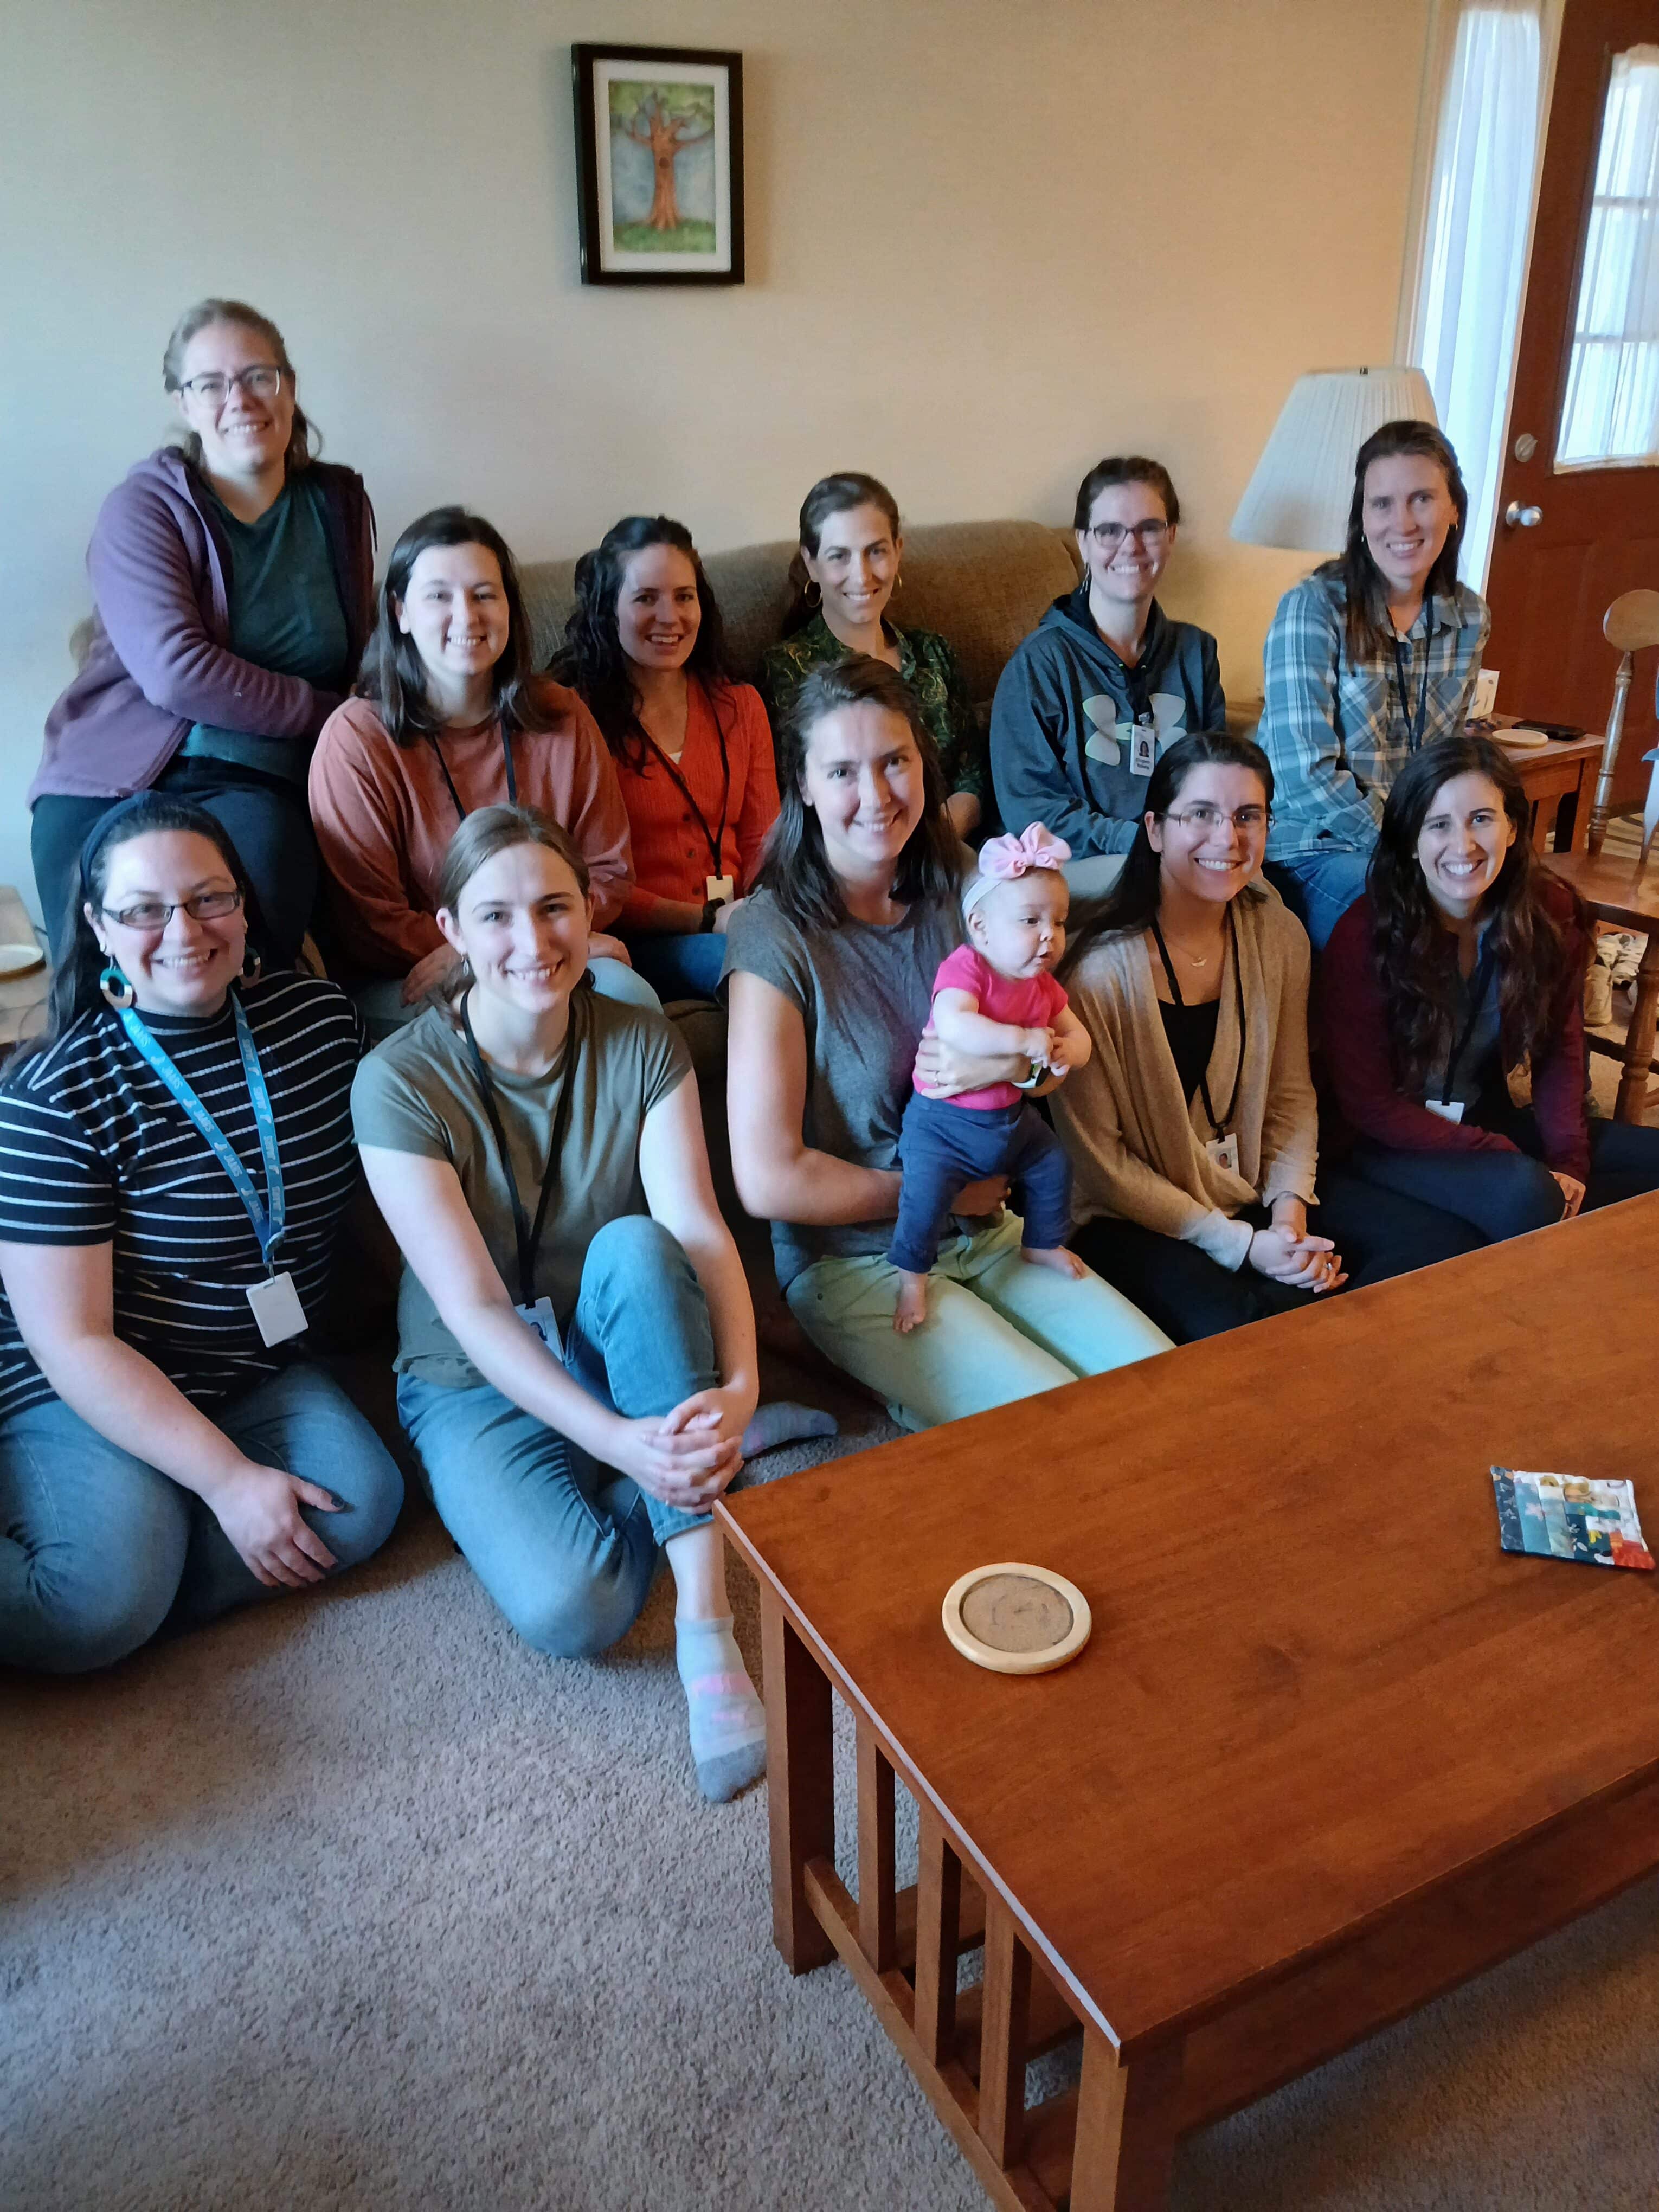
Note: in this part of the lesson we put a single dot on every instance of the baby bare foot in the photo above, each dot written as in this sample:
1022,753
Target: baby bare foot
1055,1256
912,1308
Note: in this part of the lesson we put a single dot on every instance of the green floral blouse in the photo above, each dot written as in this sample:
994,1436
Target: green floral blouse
927,665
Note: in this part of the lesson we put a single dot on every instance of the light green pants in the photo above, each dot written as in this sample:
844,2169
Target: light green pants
997,1328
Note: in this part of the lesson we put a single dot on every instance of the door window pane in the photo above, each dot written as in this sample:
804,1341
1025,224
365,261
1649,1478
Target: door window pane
1612,410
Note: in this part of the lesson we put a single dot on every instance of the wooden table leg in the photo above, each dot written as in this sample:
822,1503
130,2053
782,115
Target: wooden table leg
878,1897
938,1909
1003,2026
1126,2132
1638,1038
801,1783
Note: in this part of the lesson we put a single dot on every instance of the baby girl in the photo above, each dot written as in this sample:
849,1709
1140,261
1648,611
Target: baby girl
995,995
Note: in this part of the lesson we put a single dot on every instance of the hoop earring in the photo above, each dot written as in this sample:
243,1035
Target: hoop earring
813,591
251,974
117,991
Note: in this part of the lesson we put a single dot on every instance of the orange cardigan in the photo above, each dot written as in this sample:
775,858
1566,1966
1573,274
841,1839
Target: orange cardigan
672,859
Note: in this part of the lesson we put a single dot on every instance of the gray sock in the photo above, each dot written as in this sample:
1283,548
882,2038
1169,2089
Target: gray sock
783,1422
728,1722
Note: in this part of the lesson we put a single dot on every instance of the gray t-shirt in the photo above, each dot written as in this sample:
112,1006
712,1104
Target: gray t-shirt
418,1093
865,992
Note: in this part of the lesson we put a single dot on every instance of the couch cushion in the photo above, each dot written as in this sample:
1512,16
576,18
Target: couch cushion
981,585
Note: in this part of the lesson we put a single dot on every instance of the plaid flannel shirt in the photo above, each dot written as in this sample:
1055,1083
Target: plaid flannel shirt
1335,730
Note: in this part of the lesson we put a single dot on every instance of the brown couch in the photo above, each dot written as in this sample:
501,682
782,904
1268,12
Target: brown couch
983,586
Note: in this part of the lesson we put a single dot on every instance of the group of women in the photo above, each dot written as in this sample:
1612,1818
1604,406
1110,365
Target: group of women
509,870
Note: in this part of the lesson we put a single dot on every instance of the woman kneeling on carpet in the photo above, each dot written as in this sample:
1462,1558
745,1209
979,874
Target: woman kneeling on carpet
175,1154
1465,957
576,1344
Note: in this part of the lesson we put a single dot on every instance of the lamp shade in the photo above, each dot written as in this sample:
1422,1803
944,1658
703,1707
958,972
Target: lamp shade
1304,483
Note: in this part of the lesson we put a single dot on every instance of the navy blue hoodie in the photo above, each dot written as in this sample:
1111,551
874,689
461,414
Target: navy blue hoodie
1064,719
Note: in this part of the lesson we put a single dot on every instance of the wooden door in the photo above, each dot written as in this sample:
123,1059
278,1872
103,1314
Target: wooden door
1597,531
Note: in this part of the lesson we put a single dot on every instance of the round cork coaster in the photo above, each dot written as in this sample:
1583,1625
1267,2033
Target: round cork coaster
1015,1618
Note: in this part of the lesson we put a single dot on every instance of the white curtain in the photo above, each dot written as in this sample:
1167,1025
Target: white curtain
1612,410
1475,254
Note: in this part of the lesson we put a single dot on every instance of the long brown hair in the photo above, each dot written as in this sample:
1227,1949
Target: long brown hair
830,495
794,866
300,449
1367,624
1416,965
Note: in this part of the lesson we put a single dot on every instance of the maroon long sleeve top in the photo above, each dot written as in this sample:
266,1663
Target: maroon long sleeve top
1350,1021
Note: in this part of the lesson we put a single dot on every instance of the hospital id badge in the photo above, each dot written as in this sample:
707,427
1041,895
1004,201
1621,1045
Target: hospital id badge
541,1318
719,891
1448,1110
1224,1151
276,1309
1143,751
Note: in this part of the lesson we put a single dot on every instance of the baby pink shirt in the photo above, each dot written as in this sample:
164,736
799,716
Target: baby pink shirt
1028,1002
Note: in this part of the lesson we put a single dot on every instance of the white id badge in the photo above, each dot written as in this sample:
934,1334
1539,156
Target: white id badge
540,1317
1224,1151
276,1309
720,889
1448,1110
1143,751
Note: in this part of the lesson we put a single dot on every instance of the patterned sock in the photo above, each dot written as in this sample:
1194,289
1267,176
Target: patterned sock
728,1722
783,1422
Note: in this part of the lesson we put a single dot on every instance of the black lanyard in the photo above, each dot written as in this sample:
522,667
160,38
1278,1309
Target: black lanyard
1479,984
1415,729
507,755
528,1237
716,844
1218,1127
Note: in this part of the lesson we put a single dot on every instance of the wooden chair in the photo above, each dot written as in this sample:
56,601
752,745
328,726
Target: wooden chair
1621,891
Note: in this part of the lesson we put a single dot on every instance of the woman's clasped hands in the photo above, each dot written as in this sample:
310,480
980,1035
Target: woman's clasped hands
688,1455
1284,1252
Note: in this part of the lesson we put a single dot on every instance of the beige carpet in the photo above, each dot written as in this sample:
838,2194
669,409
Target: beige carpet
356,1903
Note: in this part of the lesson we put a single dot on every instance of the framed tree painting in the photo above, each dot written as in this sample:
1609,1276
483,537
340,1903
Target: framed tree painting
660,165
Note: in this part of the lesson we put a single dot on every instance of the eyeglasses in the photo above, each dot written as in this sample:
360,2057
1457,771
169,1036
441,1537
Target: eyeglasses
263,382
152,914
1109,536
1204,817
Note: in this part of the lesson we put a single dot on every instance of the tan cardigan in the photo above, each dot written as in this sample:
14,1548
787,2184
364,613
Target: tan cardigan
1136,1145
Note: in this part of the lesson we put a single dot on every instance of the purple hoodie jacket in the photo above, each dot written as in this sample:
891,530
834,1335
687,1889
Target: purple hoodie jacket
159,659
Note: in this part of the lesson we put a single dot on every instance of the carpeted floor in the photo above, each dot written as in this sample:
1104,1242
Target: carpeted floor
355,1904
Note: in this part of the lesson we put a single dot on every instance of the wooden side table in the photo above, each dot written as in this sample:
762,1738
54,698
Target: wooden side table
1560,781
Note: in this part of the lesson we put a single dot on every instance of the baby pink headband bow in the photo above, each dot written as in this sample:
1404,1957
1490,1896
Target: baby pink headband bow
1001,859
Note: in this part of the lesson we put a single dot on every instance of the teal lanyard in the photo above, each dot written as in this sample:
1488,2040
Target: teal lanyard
270,1216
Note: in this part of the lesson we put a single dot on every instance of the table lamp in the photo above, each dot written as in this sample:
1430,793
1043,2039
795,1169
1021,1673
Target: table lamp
1303,486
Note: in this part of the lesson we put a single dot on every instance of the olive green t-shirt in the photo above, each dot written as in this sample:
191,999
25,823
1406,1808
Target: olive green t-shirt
418,1093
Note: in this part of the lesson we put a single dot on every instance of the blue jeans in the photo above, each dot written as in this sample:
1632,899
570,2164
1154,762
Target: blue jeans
1505,1195
686,966
99,1550
568,1548
1319,888
943,1147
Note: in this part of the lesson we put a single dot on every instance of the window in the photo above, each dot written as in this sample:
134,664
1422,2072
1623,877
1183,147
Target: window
1611,408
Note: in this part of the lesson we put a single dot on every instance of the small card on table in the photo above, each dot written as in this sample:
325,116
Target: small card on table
1569,1516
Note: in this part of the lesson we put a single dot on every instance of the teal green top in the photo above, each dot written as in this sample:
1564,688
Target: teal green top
285,615
927,665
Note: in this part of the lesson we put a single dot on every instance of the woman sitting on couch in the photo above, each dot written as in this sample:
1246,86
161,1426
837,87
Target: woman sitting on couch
451,717
645,650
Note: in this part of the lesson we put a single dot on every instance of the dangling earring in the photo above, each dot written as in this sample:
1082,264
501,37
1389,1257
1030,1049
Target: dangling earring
117,991
813,591
251,974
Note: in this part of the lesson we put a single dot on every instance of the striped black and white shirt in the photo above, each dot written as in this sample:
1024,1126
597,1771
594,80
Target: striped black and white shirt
94,1150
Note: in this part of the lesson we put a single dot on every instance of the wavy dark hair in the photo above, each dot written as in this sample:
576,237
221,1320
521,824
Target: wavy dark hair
794,866
835,494
392,676
1133,901
304,437
1367,625
1415,956
592,661
75,988
1125,469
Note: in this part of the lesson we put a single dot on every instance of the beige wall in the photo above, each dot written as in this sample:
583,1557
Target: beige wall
988,241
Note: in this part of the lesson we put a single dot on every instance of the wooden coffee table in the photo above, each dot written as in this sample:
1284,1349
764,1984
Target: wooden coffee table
1329,1750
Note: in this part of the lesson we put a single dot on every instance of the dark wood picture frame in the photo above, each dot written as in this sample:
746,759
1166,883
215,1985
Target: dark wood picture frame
599,264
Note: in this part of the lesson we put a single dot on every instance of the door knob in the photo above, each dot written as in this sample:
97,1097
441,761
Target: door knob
1517,517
